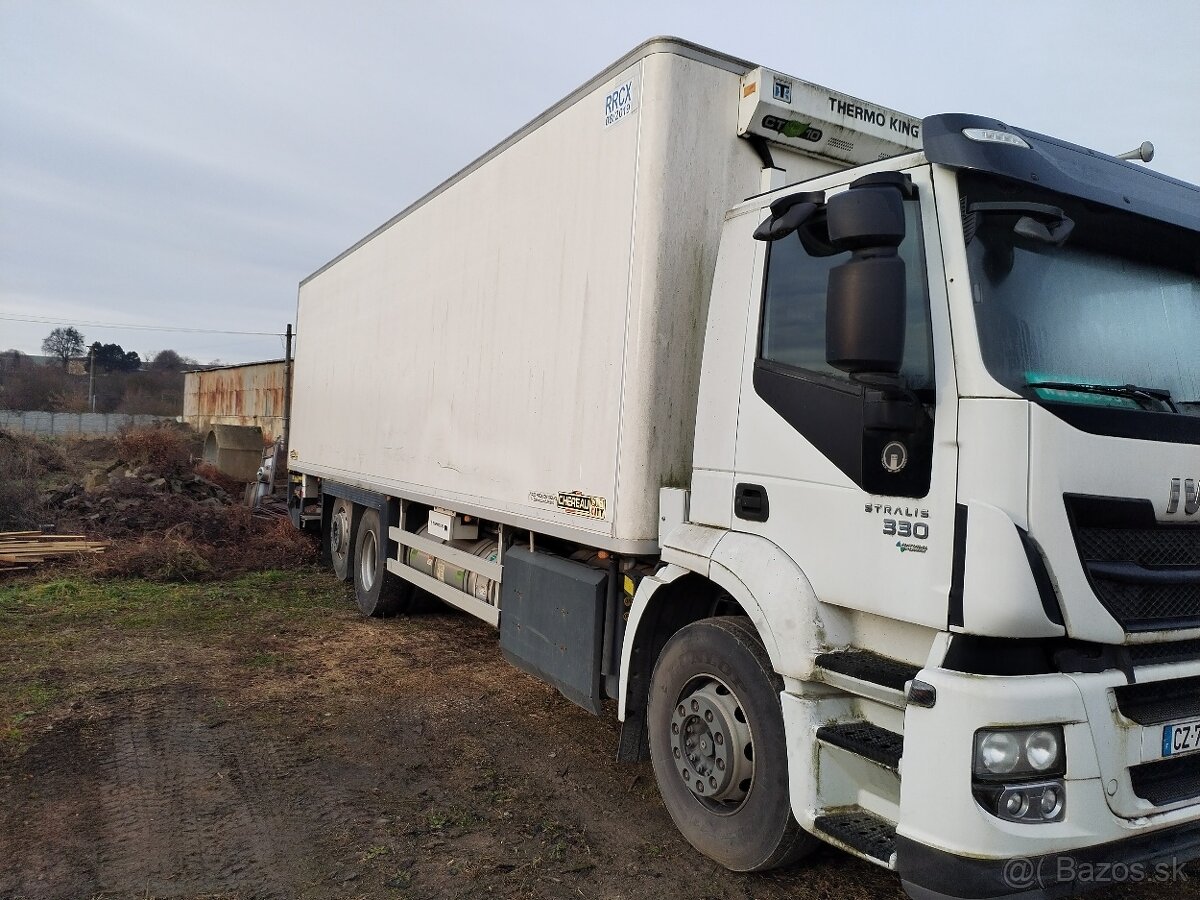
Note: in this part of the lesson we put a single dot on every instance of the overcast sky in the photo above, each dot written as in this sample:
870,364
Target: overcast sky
187,163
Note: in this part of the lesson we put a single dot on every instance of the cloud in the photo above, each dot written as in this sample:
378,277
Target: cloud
191,162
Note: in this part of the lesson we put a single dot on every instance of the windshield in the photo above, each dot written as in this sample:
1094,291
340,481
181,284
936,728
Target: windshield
1114,311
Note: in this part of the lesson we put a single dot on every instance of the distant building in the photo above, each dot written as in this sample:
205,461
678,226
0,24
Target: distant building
246,394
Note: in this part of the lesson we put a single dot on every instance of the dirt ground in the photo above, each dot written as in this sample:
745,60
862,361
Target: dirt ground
256,738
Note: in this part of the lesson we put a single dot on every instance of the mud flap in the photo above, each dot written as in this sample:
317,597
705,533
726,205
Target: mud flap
552,625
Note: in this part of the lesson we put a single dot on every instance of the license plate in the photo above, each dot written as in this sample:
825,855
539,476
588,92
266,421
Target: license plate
1181,738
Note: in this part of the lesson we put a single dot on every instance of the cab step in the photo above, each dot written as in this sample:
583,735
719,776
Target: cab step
867,740
867,674
861,831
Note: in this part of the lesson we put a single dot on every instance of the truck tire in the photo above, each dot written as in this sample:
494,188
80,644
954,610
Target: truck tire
718,748
377,591
341,538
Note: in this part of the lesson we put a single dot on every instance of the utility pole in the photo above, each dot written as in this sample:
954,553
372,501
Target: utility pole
287,405
92,378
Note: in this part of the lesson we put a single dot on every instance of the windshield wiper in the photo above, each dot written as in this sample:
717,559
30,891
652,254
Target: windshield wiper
1145,397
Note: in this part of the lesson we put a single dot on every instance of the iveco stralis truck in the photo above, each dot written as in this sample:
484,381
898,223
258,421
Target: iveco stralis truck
854,456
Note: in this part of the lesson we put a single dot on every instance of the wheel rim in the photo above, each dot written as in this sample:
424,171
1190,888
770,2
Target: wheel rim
339,534
367,562
712,744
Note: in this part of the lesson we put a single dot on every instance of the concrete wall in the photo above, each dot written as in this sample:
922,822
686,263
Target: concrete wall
250,394
61,423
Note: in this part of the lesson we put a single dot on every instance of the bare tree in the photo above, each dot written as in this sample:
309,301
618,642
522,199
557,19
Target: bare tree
65,343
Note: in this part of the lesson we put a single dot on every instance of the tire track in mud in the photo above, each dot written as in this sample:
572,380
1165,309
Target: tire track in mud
170,802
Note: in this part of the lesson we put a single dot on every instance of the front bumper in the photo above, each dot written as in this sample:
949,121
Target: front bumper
1158,857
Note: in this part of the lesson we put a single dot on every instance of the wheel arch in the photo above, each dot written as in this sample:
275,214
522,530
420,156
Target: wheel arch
761,582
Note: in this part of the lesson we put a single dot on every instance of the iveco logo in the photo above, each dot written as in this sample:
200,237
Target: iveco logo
1191,496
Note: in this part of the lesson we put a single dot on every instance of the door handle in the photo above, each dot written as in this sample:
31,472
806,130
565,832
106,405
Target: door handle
750,502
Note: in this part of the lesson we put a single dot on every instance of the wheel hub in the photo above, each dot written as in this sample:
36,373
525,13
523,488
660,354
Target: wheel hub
338,533
711,743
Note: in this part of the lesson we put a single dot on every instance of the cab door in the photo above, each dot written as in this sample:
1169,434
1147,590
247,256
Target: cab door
866,511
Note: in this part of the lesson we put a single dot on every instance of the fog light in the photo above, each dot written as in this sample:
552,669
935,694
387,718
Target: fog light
1016,804
999,752
1051,805
1028,804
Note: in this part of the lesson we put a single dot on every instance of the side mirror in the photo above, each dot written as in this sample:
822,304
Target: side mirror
787,214
1054,233
865,308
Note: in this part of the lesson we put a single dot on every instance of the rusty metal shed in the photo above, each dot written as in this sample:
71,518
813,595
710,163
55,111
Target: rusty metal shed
246,394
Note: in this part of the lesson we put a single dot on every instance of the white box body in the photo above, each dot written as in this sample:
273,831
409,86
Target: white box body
524,342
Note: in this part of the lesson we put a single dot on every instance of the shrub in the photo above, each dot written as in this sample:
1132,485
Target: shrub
164,447
167,556
205,543
21,463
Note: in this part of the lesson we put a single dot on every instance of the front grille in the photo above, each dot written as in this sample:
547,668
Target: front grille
1162,654
1168,781
1145,573
1158,702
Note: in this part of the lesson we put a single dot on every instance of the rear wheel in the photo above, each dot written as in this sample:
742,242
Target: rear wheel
718,747
341,538
377,591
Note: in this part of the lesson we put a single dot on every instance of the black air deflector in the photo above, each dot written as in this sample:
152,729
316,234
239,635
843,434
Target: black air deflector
1059,166
552,622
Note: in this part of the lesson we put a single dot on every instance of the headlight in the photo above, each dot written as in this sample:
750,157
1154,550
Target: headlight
1010,754
999,753
1042,749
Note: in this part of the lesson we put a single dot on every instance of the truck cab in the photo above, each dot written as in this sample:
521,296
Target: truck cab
946,463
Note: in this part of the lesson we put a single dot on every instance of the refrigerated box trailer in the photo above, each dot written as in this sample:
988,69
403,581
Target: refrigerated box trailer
830,442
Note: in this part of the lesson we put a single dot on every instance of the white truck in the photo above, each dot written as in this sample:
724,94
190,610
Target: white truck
855,456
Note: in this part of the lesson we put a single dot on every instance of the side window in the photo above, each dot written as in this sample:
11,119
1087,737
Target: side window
793,320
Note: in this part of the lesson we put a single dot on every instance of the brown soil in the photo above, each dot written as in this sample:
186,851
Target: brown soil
166,515
339,757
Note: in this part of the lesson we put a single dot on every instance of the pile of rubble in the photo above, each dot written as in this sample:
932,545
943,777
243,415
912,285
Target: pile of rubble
118,498
159,513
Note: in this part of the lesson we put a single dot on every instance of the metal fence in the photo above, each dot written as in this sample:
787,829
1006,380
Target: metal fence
60,423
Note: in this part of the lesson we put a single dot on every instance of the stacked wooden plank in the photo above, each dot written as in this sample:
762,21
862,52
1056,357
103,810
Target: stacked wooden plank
22,549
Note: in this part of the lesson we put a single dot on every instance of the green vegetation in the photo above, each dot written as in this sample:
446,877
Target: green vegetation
73,601
66,636
122,380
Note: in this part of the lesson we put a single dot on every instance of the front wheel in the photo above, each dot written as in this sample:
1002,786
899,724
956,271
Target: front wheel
718,748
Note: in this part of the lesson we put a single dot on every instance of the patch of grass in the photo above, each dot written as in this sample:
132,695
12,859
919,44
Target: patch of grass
23,699
67,635
133,604
401,879
452,818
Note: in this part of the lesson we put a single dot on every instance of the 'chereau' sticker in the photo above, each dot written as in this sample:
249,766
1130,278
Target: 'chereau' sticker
578,504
